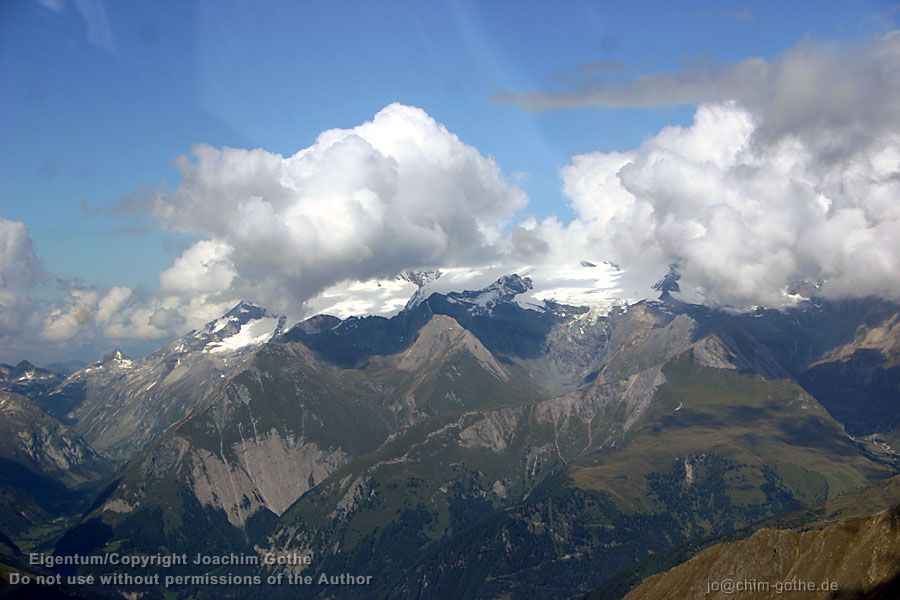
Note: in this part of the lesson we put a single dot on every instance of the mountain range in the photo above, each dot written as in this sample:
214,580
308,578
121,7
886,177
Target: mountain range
470,445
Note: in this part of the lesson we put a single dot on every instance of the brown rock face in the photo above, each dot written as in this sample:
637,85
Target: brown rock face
854,558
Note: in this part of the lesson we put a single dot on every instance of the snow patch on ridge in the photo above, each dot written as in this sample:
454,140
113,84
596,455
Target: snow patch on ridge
596,284
252,333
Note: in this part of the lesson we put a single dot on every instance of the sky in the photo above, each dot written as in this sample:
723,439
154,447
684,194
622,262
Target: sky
517,115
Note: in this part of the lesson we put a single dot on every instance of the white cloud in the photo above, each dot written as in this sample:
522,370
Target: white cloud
119,315
790,172
64,322
204,267
19,265
745,216
399,191
20,269
834,96
34,325
111,303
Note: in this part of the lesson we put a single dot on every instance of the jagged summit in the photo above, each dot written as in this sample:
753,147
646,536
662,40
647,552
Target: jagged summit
317,324
244,325
28,379
421,278
113,360
22,366
510,286
422,281
503,290
245,311
669,282
114,355
120,404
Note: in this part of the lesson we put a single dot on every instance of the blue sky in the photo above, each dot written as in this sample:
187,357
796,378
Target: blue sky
98,97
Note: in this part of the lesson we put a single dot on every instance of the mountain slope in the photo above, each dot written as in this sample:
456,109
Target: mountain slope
43,464
120,405
506,328
677,477
472,446
861,556
880,496
283,422
844,352
684,432
26,379
859,382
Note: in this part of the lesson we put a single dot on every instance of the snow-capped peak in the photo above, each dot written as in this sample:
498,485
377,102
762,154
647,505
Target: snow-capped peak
503,290
422,281
243,326
253,333
247,310
116,357
113,360
421,278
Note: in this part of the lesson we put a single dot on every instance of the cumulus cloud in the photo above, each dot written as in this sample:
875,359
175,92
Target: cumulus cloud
19,265
204,267
44,316
65,321
794,180
120,315
112,302
20,269
789,174
396,192
744,218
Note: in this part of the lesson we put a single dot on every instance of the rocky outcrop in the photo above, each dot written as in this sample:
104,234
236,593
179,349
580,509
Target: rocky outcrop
42,444
272,471
883,338
47,471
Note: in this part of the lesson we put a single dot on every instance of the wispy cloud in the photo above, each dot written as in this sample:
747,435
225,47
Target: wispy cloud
685,87
850,90
97,26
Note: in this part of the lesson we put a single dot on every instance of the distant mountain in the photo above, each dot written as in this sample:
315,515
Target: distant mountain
120,404
859,382
476,446
26,379
687,431
66,367
558,345
845,353
47,469
285,421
